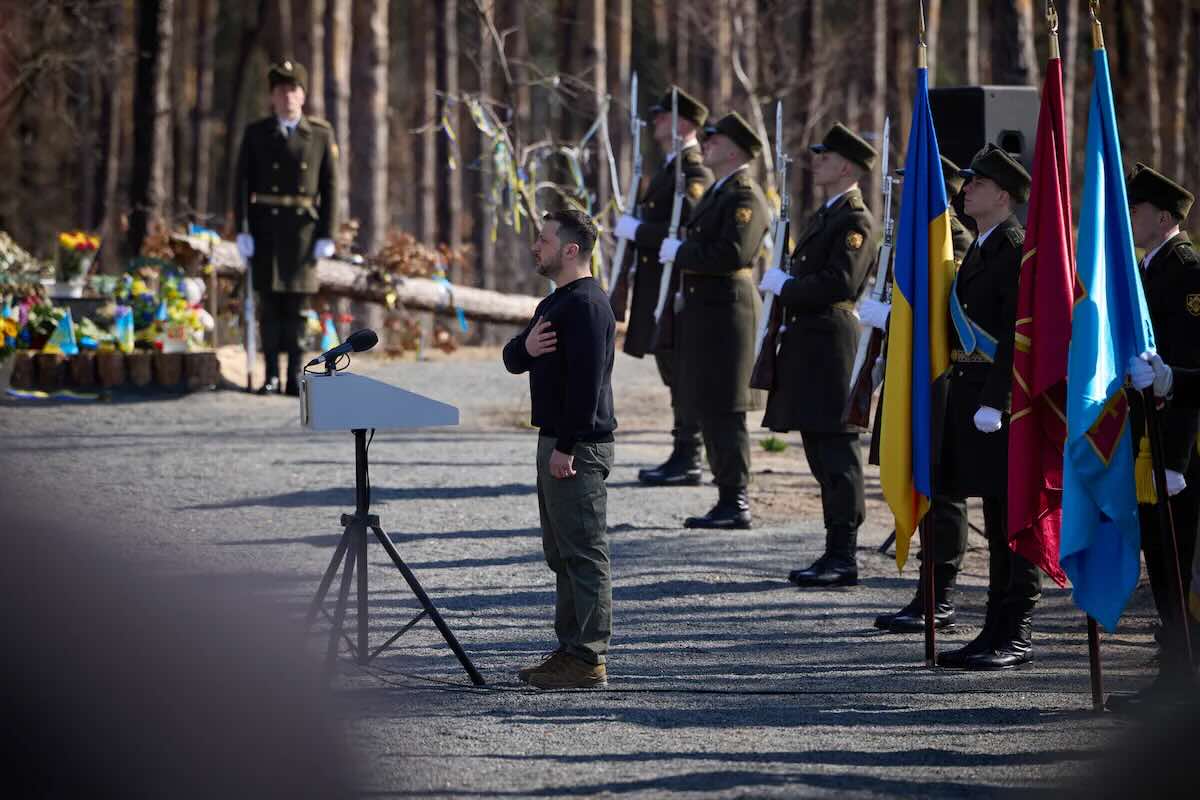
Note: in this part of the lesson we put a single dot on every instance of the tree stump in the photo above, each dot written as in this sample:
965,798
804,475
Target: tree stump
110,369
82,368
168,369
138,367
22,370
51,371
201,370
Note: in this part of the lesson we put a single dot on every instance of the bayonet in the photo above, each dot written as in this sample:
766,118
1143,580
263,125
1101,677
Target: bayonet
664,284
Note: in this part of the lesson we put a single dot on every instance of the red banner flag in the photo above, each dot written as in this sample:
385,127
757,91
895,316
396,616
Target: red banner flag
1045,298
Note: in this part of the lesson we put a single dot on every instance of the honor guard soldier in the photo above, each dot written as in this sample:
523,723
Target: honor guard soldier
717,313
949,514
285,199
818,341
974,452
647,232
1170,272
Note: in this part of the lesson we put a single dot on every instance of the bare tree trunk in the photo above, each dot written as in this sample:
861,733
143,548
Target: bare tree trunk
722,69
85,104
1149,68
971,43
182,128
620,76
424,71
933,33
683,23
449,161
811,22
662,42
1013,59
310,51
568,43
1184,80
1191,175
596,59
151,112
106,213
233,128
484,243
206,29
279,39
901,78
338,39
369,122
879,88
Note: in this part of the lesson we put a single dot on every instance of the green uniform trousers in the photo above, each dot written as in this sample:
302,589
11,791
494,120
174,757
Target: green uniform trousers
685,430
727,442
574,517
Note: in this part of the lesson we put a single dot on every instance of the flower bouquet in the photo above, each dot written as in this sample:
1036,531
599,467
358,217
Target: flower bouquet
74,257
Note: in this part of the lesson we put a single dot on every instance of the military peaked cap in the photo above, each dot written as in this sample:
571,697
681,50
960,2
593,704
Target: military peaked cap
690,108
738,131
1148,186
998,164
847,144
951,174
288,71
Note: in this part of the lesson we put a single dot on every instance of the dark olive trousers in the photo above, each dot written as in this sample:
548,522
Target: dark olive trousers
685,430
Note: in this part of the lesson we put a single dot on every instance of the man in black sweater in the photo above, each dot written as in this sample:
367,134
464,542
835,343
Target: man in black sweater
568,351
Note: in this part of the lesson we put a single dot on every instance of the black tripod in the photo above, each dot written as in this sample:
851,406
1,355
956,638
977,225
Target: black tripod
353,550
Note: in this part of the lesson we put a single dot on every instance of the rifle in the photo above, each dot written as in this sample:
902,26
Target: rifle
664,335
618,276
248,310
766,346
870,341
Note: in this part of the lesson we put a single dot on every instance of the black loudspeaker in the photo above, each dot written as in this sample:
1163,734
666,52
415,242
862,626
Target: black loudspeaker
968,117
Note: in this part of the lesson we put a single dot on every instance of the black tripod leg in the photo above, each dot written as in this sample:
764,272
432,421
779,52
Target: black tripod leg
360,543
427,604
327,579
339,614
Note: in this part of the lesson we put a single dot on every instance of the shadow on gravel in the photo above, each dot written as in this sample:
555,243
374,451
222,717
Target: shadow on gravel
344,497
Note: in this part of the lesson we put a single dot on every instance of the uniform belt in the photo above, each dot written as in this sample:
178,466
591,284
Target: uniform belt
744,272
843,305
958,356
284,200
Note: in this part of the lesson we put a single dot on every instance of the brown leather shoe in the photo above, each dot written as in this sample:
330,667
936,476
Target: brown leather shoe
569,672
524,672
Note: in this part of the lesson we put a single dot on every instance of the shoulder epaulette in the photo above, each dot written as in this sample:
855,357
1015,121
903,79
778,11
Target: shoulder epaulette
320,122
1187,255
856,202
1016,236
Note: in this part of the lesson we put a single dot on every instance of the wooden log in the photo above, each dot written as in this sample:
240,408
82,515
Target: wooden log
343,278
201,370
22,370
110,368
51,371
138,366
83,369
168,369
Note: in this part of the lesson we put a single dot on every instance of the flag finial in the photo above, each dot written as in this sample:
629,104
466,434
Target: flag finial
1097,32
1052,24
922,50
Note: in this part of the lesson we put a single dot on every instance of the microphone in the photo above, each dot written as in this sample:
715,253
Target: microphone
355,343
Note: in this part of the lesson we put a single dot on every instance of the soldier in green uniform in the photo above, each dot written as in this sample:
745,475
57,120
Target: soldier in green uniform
647,232
1170,272
949,514
285,208
819,338
974,449
717,311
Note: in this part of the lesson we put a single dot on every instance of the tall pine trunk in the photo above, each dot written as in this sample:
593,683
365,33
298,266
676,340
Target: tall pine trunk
449,157
338,38
152,118
309,21
1149,68
369,122
206,29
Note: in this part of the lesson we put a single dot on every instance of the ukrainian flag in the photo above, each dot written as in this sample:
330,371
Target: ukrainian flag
1100,535
919,330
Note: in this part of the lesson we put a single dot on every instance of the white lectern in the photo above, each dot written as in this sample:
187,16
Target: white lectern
344,401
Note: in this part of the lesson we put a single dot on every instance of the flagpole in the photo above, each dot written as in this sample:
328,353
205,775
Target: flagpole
927,531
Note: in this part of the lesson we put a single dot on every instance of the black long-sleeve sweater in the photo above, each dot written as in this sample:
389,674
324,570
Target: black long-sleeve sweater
571,388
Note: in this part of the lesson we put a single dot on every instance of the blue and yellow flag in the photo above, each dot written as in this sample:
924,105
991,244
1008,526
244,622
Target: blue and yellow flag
919,330
1100,537
63,339
329,338
123,328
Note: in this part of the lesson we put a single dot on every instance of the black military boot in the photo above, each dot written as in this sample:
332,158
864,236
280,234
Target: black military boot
982,642
732,511
293,374
272,385
911,618
1012,647
682,467
837,567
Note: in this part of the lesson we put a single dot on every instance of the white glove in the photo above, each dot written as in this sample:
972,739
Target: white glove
877,370
1141,374
245,245
323,248
668,250
987,420
627,227
1175,483
773,280
1164,378
874,313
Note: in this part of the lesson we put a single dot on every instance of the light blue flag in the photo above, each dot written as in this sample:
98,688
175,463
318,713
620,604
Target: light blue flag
329,337
63,339
1111,324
